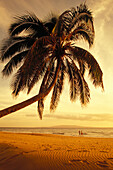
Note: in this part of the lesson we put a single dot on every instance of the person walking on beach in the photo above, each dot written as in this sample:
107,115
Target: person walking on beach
79,132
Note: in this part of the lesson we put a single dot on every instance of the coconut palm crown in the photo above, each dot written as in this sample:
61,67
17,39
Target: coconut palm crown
48,51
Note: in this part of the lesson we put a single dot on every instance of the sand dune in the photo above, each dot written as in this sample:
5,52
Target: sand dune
50,152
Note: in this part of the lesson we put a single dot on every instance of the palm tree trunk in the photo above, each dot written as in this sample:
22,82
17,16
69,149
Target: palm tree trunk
28,102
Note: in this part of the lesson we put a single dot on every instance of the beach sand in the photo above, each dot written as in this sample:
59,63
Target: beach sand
50,152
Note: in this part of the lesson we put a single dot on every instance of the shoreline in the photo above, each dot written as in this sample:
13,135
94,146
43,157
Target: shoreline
90,132
57,134
54,134
50,151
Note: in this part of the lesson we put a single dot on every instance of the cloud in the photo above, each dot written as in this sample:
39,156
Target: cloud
31,115
82,117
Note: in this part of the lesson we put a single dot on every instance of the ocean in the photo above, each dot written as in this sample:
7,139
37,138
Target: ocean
86,132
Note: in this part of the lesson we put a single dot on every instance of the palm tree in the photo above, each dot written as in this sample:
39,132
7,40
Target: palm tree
48,51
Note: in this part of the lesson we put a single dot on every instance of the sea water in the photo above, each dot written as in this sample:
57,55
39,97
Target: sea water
86,132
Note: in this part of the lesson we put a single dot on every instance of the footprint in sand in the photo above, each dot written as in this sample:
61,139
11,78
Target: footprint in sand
78,160
110,158
104,151
83,151
70,162
85,161
102,164
57,149
75,160
47,149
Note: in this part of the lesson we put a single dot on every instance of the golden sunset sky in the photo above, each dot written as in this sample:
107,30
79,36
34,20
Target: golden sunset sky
99,112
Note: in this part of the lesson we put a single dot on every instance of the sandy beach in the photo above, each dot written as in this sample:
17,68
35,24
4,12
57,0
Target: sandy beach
50,152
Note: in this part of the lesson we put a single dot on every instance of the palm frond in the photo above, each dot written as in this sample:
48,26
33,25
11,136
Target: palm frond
29,76
84,91
39,71
82,32
34,65
88,59
81,66
14,45
18,82
62,24
72,18
15,60
51,73
41,102
57,88
41,59
83,87
83,14
21,19
38,52
28,22
73,81
40,107
47,80
78,85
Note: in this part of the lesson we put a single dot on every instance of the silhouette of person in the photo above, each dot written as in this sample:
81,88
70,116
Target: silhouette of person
79,132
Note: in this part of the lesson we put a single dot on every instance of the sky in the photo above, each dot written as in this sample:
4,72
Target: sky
99,112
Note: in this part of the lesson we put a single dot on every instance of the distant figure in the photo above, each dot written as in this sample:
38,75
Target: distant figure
79,132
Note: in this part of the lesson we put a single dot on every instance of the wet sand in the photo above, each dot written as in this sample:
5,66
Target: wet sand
51,152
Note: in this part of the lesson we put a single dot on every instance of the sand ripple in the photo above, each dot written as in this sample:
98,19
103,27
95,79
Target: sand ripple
52,152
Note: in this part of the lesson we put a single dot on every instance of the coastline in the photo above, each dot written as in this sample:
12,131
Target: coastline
47,152
86,132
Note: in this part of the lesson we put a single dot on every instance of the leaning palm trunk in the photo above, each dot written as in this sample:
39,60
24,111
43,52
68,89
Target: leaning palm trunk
38,97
